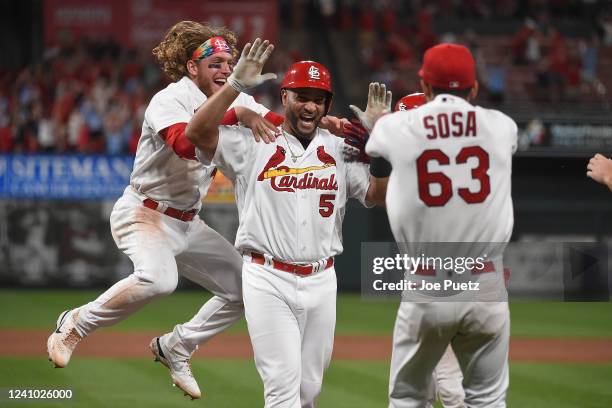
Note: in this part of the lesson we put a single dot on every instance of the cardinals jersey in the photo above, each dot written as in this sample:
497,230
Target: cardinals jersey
159,173
452,164
291,201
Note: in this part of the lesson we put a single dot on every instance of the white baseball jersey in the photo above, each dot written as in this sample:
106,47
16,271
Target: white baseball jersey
452,165
451,180
159,173
292,210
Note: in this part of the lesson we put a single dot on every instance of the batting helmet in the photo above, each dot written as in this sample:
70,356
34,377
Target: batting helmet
309,74
410,102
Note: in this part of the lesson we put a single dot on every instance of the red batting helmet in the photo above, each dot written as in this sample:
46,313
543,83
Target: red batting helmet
309,74
410,102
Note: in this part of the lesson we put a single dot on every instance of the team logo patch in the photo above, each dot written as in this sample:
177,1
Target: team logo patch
313,73
283,178
453,84
402,106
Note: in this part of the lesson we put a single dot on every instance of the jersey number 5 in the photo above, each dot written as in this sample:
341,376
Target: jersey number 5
446,185
326,204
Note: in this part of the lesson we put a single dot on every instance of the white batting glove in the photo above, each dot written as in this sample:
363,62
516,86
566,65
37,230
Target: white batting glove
247,72
379,104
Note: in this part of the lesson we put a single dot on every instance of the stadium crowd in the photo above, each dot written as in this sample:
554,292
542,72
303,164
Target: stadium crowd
90,96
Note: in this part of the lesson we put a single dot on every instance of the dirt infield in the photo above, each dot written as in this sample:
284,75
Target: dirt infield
372,348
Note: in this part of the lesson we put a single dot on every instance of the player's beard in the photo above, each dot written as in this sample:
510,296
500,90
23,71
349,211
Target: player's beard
300,128
206,84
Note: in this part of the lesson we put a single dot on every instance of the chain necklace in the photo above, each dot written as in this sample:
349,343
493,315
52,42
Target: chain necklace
294,156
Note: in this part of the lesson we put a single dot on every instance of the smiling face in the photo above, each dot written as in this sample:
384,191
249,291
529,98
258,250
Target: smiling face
304,109
211,73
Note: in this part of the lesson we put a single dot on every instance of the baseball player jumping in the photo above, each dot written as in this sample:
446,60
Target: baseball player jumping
452,164
291,197
156,221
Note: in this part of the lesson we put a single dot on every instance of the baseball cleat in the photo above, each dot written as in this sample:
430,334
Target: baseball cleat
179,366
64,339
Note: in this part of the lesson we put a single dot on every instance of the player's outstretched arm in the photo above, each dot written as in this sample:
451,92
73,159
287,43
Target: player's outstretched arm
262,128
203,130
600,170
379,104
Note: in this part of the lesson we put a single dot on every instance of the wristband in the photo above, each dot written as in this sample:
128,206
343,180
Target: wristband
234,83
379,167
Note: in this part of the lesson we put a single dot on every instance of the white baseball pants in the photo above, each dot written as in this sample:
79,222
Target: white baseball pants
447,379
291,321
479,333
161,248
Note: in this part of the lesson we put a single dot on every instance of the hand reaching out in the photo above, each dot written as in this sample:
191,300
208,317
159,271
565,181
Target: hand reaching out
600,170
247,72
262,128
379,104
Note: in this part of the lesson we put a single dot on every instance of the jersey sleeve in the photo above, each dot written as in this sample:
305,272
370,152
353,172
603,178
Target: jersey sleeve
166,110
234,151
248,101
377,145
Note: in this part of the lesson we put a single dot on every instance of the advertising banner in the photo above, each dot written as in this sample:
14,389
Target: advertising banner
64,176
142,23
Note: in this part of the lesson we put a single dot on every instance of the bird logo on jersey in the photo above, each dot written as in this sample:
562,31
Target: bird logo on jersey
324,157
287,179
277,158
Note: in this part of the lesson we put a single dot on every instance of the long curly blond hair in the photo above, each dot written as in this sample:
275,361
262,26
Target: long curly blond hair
180,42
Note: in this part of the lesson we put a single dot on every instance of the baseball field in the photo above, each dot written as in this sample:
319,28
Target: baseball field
560,356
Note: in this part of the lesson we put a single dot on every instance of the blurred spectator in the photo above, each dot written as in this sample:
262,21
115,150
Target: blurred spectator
495,73
558,65
589,54
89,95
526,44
605,28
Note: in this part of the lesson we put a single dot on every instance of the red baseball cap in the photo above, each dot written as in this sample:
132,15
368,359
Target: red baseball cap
448,66
410,102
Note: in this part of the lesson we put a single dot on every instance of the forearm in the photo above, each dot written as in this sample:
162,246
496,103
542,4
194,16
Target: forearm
377,191
202,129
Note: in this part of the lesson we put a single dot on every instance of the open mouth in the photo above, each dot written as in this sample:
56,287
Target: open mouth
220,81
307,120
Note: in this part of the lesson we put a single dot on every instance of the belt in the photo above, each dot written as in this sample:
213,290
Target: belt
171,212
486,268
303,270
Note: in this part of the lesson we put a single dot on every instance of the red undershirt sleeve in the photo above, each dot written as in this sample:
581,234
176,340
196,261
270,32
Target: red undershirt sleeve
230,118
275,118
174,136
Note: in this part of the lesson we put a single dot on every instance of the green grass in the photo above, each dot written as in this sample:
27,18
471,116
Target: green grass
131,382
38,309
560,385
561,319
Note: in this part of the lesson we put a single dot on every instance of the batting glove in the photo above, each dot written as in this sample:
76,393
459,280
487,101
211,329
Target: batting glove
379,104
356,137
247,72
